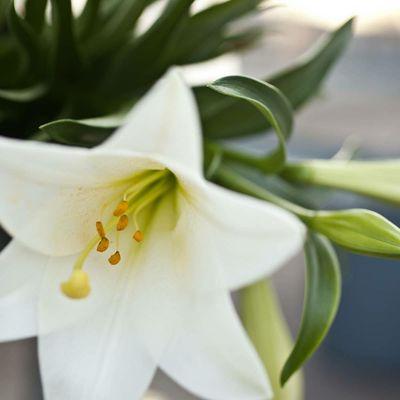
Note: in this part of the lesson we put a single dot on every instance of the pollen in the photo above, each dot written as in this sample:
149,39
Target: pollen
115,258
78,286
138,236
100,229
121,208
103,245
122,222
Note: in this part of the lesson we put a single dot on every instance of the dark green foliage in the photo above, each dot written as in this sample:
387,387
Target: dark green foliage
83,66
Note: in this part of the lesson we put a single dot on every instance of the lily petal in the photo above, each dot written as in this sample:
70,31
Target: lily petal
213,358
165,122
254,238
18,313
90,361
50,204
19,266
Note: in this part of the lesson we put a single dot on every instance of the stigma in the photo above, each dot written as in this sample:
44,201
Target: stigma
140,192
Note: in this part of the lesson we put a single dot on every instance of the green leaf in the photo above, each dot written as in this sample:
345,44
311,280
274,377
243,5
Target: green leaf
66,59
23,95
137,65
220,44
360,231
299,83
322,296
205,25
35,13
303,80
27,39
267,329
4,5
85,132
89,17
116,29
12,62
274,107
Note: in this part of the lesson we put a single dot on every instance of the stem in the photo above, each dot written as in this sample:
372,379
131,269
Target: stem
264,163
233,180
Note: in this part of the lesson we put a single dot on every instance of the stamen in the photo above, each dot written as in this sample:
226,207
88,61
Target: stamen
77,287
122,222
115,258
121,208
138,236
103,245
100,229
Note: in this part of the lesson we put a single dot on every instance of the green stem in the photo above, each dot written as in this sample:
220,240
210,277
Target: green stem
264,163
233,180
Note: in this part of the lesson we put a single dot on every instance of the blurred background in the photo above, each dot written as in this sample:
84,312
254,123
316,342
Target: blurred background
361,357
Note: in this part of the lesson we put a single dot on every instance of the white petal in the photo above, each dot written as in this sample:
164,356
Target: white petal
52,201
210,354
253,237
18,313
165,122
213,358
19,266
21,272
57,311
100,358
113,350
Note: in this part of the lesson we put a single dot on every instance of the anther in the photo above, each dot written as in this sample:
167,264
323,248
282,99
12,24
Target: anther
115,258
138,236
103,245
122,222
77,286
100,229
121,208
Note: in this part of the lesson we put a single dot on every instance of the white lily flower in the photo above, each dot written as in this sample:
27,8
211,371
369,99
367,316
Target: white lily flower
150,249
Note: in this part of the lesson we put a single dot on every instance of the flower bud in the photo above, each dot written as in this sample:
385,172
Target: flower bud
358,230
377,179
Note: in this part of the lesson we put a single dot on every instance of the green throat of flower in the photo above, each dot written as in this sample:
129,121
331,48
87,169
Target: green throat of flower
142,190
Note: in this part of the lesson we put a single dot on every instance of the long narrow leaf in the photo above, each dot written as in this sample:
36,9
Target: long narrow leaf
205,25
137,66
25,95
35,13
117,27
67,61
27,39
87,20
272,105
322,296
226,118
86,132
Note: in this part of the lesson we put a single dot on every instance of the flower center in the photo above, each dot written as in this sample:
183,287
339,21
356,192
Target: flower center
140,192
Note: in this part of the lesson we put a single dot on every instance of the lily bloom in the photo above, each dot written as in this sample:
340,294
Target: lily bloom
123,257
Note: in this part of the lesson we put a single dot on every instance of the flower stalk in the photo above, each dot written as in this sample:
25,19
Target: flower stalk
376,179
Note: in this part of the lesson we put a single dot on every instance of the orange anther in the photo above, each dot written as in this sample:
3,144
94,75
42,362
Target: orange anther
100,229
122,222
103,245
138,236
115,258
121,208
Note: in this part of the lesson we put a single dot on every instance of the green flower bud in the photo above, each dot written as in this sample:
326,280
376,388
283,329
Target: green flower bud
378,179
358,230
